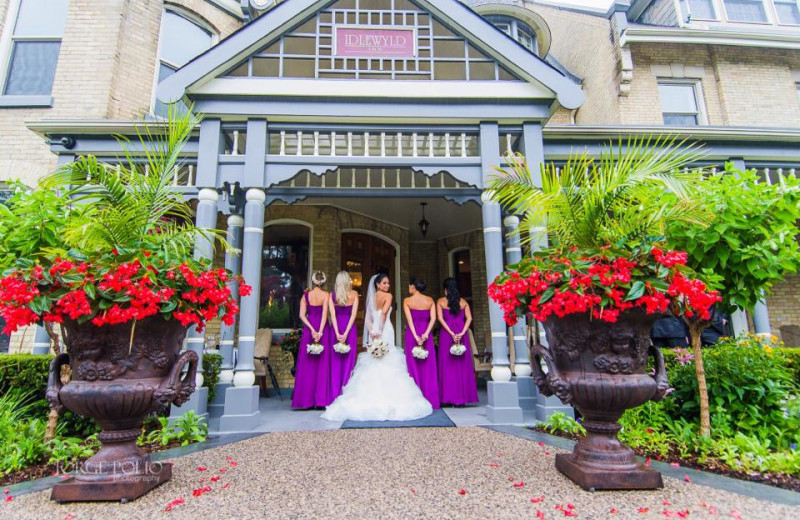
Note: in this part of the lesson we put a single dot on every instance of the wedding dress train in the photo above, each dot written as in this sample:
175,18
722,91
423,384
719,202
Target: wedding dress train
380,389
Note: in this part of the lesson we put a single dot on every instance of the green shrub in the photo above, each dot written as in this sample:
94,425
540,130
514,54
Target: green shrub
21,438
187,429
792,357
559,422
750,391
27,374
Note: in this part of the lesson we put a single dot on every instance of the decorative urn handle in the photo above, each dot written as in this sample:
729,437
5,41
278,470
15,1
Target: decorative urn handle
662,381
54,383
175,389
552,382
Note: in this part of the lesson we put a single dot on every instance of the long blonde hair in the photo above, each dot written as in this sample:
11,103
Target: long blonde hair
342,287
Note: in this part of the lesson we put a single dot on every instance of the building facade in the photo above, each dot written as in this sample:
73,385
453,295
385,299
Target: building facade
332,128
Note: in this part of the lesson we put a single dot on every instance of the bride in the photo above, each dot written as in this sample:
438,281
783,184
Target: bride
380,389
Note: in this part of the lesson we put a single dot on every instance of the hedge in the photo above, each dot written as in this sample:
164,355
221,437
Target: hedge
28,373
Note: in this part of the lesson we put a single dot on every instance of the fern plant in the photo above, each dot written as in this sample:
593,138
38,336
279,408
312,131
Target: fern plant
619,198
133,206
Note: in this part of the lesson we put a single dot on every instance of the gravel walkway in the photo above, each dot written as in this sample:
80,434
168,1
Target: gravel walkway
388,474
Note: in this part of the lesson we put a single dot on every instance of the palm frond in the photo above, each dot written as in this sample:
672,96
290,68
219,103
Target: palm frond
618,196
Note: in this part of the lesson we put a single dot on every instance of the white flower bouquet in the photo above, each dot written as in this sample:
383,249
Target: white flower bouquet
458,349
419,352
315,349
378,348
341,348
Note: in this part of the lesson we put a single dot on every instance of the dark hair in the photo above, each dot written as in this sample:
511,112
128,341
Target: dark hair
418,284
379,278
453,296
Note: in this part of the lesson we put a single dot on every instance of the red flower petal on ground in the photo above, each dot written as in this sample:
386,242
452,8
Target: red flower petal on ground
570,513
228,457
683,514
177,502
494,465
539,514
674,464
215,479
735,514
69,517
202,468
223,470
644,510
227,485
462,491
511,479
519,484
540,443
647,462
687,479
203,480
536,500
6,491
201,491
666,502
9,498
413,491
547,453
613,510
234,464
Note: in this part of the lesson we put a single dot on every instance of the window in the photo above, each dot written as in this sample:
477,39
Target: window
181,41
700,9
517,29
788,12
284,277
35,43
745,10
680,104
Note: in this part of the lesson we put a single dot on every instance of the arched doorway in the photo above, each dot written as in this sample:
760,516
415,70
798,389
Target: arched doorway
363,255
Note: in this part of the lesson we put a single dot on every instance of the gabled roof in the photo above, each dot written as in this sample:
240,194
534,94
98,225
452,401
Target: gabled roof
254,36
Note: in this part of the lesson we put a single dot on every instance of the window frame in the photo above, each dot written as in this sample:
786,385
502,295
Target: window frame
7,42
697,87
769,14
514,25
191,17
778,17
714,8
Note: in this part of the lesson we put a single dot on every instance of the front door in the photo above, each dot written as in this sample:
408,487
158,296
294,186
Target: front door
364,256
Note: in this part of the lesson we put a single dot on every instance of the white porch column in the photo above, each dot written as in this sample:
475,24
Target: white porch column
205,218
503,395
761,317
233,262
241,400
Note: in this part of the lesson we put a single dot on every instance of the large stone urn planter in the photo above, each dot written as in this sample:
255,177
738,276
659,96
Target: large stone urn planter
118,378
601,369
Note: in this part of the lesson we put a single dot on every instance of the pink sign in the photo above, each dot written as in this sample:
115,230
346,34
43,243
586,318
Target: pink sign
375,43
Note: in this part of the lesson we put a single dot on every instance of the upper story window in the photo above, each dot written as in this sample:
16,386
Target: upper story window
788,12
700,9
35,40
745,11
181,40
681,103
517,29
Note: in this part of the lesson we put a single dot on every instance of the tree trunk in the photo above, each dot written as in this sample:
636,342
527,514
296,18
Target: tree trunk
695,331
52,417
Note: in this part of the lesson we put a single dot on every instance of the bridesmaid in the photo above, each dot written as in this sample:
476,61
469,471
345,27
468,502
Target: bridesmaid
343,305
311,386
420,311
457,384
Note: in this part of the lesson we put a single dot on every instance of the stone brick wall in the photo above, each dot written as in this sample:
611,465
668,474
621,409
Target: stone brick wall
784,309
423,262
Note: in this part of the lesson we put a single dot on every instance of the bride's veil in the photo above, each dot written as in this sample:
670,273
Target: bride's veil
369,311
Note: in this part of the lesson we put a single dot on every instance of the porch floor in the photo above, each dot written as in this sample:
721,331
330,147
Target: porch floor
278,416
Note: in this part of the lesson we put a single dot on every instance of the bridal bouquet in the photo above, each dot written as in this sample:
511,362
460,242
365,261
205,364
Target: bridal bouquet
341,348
458,349
315,349
420,352
378,348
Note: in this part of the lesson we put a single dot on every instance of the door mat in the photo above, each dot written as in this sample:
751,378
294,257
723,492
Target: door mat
438,419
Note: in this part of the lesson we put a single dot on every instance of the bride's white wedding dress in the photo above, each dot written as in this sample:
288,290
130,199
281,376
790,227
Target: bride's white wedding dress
379,389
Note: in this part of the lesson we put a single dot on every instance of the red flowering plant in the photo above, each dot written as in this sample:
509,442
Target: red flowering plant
115,288
602,282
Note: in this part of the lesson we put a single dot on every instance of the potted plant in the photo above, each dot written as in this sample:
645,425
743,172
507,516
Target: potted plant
600,287
291,343
123,294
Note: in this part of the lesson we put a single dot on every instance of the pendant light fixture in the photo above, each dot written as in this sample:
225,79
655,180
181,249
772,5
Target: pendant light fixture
423,224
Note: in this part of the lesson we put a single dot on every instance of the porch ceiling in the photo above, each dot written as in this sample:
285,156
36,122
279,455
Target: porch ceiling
446,218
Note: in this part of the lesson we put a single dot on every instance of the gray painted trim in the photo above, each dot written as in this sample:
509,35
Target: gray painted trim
256,150
703,478
474,27
209,148
465,194
26,101
434,111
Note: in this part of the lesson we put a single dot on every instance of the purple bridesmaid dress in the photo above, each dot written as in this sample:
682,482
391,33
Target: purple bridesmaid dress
456,373
342,365
311,387
423,371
